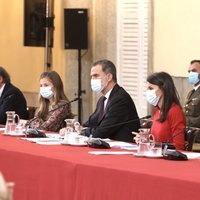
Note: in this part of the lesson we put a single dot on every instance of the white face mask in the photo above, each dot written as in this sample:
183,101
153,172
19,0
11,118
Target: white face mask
97,86
152,98
46,92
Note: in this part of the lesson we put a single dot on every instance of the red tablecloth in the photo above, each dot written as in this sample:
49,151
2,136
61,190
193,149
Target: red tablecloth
61,172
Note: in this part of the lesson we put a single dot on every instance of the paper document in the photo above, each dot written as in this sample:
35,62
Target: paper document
43,140
54,135
111,152
192,155
123,145
49,142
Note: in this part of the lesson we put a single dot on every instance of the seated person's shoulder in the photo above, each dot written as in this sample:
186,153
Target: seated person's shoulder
176,110
14,90
62,105
121,93
62,102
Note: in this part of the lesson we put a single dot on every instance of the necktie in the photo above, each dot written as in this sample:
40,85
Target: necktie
101,107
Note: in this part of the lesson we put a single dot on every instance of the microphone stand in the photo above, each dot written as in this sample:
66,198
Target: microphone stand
75,99
80,91
173,154
29,122
168,141
115,125
27,125
49,27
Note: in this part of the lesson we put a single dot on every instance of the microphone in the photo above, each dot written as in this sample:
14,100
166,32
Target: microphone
75,99
145,117
30,132
127,122
173,154
115,125
98,142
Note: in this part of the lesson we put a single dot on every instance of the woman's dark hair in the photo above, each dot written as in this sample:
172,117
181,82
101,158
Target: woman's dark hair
5,75
170,95
107,67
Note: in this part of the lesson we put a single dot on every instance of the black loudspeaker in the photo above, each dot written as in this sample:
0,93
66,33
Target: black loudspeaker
76,28
34,22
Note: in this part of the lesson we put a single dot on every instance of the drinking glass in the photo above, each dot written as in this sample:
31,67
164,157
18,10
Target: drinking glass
145,135
77,127
156,149
69,128
143,148
146,140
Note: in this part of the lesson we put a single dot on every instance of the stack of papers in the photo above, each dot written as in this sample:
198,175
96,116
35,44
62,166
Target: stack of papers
51,139
46,141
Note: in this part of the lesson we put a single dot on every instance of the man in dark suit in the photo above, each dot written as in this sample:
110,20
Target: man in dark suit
118,106
11,98
192,105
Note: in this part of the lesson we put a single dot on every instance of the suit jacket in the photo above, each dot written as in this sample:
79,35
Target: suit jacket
12,99
192,108
120,108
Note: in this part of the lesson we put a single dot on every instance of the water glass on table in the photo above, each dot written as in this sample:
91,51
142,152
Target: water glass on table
156,149
11,122
145,140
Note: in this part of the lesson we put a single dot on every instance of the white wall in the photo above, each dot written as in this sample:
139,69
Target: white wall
176,35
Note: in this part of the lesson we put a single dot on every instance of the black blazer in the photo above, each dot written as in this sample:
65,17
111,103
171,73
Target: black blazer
12,99
120,108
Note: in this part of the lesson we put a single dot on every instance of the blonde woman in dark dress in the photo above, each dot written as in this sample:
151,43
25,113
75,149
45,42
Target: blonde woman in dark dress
54,106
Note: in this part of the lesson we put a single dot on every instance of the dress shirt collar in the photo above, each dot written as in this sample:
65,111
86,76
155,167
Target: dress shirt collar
108,94
107,97
2,88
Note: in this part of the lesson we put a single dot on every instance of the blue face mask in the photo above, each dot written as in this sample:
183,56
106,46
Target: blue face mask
193,78
152,98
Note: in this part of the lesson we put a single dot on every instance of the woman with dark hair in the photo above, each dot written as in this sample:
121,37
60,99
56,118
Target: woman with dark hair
168,118
53,104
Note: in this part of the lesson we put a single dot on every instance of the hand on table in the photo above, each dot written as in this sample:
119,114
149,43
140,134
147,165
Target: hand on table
136,137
